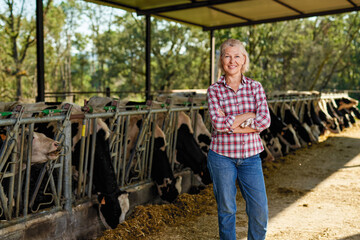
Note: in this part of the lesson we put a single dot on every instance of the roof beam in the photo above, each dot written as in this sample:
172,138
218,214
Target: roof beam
231,14
337,11
288,6
185,6
114,3
179,20
350,1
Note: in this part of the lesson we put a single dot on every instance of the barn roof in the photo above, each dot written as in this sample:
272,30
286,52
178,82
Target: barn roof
218,14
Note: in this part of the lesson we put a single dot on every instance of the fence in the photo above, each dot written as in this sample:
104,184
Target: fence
56,186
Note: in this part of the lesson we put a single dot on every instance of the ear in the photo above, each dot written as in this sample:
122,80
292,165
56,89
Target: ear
244,59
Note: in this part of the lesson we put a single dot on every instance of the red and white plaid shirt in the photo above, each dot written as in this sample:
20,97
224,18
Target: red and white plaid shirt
250,97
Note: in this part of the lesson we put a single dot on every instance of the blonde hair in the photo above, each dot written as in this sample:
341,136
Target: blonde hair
233,43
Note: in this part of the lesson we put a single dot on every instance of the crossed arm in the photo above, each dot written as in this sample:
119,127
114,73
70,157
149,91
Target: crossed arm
239,120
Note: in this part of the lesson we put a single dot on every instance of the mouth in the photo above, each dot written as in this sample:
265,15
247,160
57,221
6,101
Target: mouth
232,66
54,154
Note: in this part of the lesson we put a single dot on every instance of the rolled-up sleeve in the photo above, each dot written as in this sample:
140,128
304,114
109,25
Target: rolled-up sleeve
219,123
262,119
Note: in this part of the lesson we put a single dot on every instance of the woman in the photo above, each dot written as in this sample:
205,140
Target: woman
239,112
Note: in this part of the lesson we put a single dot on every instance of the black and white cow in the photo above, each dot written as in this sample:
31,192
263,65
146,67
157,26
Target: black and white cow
332,124
188,151
168,186
285,133
266,155
272,143
203,136
114,203
288,115
348,105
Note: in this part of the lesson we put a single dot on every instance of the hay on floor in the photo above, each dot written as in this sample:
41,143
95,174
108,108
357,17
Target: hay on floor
150,219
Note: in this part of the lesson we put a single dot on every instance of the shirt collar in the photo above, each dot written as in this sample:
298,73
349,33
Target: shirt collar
223,81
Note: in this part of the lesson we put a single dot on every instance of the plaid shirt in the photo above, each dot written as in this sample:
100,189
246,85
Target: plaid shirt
250,97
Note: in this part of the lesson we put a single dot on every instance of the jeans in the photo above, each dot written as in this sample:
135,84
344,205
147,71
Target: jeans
224,172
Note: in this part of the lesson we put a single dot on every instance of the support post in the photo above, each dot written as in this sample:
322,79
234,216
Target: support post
212,57
67,169
147,57
40,51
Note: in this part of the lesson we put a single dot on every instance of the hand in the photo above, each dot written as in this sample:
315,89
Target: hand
247,122
221,112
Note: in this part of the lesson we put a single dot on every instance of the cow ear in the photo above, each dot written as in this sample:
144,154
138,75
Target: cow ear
100,197
124,192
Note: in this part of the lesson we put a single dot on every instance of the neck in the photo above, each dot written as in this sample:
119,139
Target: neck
231,79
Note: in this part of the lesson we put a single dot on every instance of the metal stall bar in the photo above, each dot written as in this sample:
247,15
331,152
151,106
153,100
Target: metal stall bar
21,180
67,168
92,156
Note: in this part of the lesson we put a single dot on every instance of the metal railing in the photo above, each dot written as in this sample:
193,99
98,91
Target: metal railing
56,186
58,182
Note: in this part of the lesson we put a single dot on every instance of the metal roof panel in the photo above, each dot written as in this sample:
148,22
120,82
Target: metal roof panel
203,16
257,9
217,14
310,6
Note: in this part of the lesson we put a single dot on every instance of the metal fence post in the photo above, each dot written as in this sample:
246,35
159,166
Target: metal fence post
67,167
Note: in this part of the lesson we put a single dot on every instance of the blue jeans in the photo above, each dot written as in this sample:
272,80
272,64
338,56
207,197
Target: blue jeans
224,172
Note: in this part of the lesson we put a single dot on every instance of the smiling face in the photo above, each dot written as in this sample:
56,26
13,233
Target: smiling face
232,60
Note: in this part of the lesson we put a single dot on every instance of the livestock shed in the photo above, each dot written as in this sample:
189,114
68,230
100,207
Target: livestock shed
79,200
210,15
95,163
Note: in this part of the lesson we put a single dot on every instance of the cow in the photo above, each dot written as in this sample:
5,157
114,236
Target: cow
43,150
188,151
315,117
343,122
272,143
203,136
168,186
113,203
346,103
349,106
266,155
288,115
332,124
305,118
285,133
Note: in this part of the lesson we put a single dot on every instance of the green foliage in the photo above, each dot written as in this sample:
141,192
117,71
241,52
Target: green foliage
309,54
90,47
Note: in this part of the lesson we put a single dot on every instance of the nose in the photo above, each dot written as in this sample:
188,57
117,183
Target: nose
56,144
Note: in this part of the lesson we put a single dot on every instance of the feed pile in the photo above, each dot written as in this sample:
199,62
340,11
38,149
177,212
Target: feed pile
149,219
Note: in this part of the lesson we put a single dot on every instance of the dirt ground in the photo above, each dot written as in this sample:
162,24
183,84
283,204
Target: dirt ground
313,193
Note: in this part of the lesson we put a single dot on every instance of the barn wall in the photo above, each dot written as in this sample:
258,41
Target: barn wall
83,222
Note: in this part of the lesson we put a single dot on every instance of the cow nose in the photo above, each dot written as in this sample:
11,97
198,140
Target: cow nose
56,144
276,149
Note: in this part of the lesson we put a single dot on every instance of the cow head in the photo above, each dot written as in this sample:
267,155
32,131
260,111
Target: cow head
44,148
188,151
170,189
271,142
113,208
266,155
289,137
